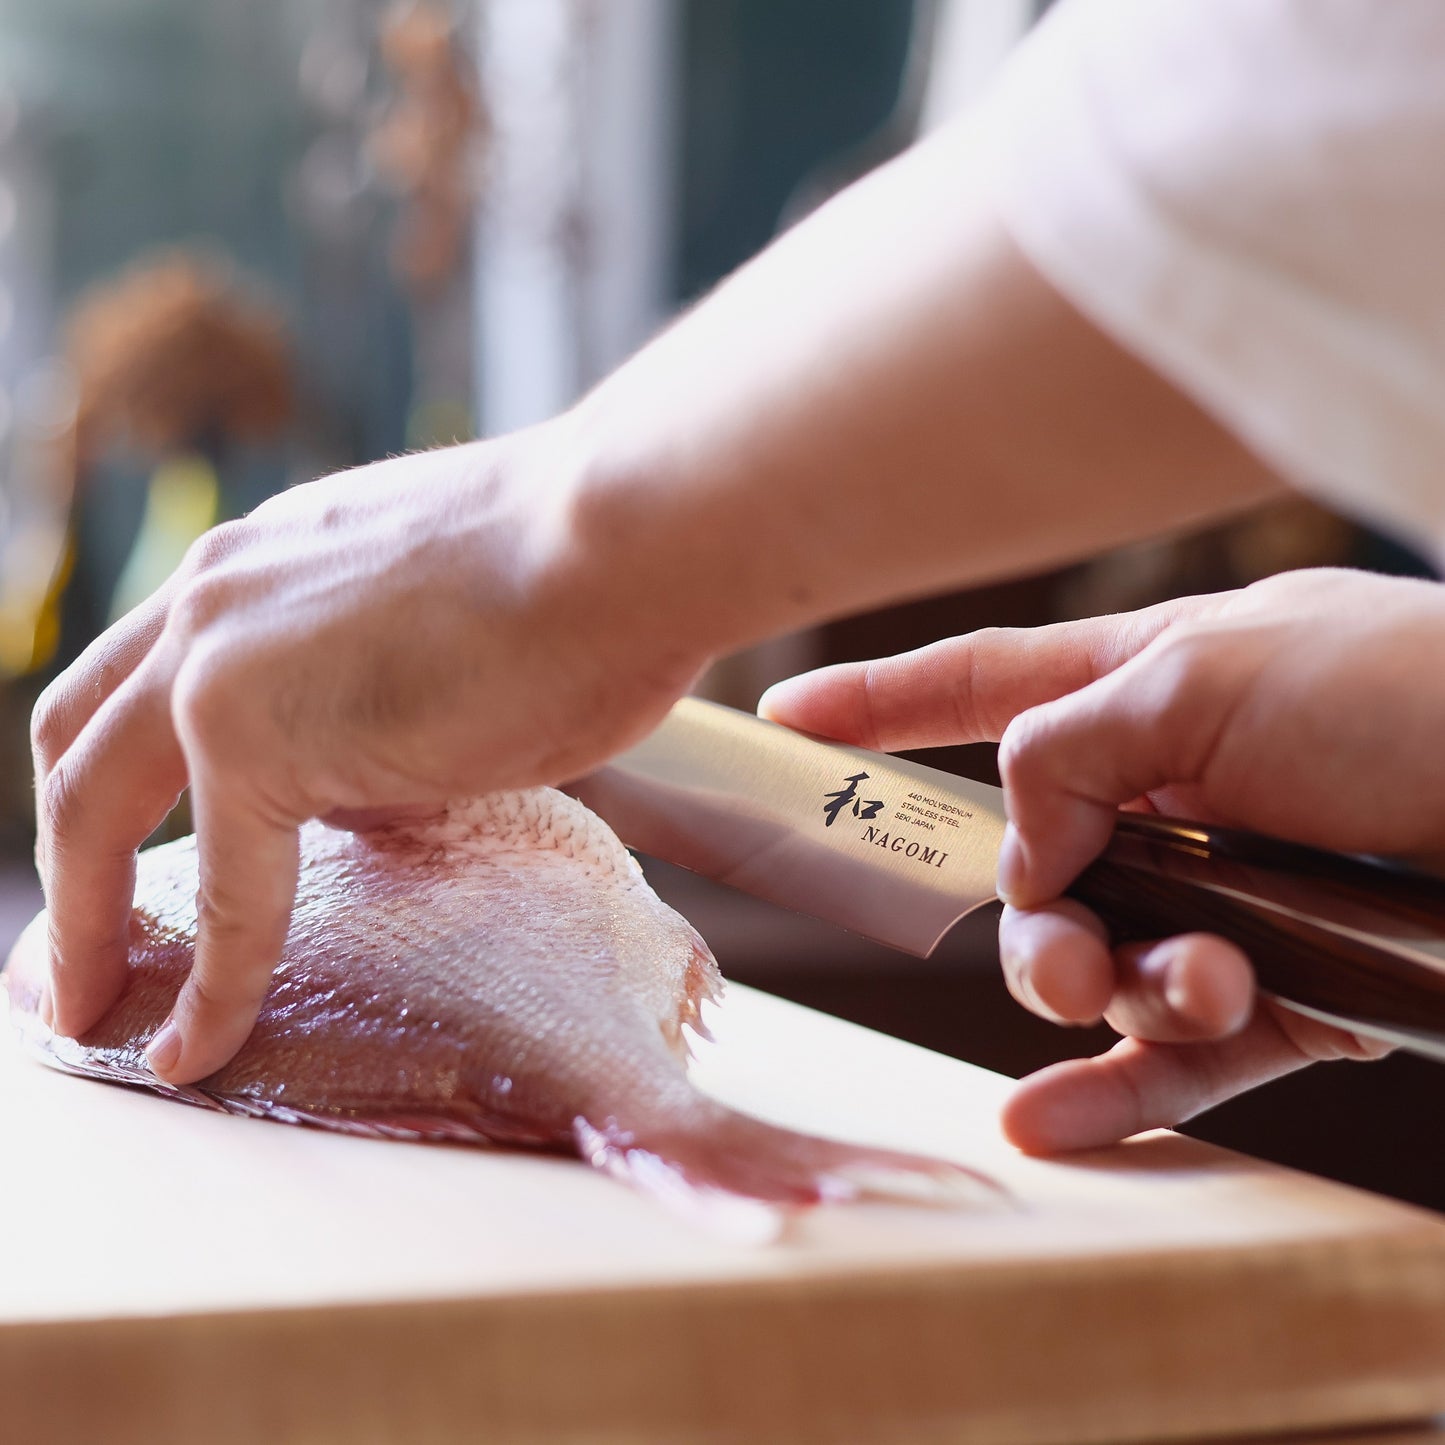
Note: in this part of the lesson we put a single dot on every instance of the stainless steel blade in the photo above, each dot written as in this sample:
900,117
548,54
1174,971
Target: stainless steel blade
888,848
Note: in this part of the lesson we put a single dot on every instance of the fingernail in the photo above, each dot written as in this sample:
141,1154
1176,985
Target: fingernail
1024,985
1012,866
1019,967
1035,1001
164,1050
1177,995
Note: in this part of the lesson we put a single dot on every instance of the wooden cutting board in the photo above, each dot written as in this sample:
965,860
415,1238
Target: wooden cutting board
172,1275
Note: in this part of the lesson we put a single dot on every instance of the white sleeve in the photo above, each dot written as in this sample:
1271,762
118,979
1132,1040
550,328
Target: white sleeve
1250,195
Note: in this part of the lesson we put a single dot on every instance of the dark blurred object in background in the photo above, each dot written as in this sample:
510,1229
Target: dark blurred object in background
177,353
1284,535
430,144
176,364
772,95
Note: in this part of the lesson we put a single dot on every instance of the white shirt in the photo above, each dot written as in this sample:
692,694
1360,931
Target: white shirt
1250,194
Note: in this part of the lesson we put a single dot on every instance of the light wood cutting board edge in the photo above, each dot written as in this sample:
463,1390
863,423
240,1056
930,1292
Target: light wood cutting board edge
946,1357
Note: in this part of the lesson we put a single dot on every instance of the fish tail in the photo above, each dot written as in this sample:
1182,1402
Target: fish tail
719,1161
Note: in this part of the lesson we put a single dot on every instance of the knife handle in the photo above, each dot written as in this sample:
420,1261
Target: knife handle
1344,935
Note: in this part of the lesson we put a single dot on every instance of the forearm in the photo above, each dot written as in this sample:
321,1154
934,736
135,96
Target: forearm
889,401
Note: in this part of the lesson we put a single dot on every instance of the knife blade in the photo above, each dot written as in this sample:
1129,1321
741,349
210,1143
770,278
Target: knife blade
899,852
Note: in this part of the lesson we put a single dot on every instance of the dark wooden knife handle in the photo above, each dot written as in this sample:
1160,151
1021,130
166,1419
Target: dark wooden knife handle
1160,877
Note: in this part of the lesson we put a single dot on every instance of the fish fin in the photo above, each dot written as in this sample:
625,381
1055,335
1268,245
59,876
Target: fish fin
461,1125
719,1159
70,1057
113,1067
702,983
417,1128
702,980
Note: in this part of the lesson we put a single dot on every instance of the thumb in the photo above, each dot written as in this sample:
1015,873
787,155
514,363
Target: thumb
965,689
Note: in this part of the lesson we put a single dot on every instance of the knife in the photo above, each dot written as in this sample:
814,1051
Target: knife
899,852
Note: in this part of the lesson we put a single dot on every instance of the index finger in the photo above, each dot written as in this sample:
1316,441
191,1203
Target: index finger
964,689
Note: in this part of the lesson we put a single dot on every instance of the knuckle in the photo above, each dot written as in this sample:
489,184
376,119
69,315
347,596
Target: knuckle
270,511
968,681
1179,661
1188,693
201,700
212,548
226,991
1024,744
61,804
48,724
208,583
994,641
1302,582
872,690
200,603
55,950
219,916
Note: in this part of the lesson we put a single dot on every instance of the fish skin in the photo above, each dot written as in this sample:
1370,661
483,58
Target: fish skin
501,973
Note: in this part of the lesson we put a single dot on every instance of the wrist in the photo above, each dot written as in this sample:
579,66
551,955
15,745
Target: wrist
614,579
652,541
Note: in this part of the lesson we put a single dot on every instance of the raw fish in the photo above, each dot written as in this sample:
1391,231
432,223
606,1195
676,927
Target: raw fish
500,974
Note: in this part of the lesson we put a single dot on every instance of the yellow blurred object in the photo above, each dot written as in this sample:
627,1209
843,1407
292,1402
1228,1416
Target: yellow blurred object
183,500
34,570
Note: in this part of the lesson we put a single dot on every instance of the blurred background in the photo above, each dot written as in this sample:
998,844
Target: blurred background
245,245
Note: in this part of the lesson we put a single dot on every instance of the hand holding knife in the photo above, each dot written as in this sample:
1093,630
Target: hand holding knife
900,852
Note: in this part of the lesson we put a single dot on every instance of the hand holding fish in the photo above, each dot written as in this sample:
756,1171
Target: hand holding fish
385,639
1301,706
